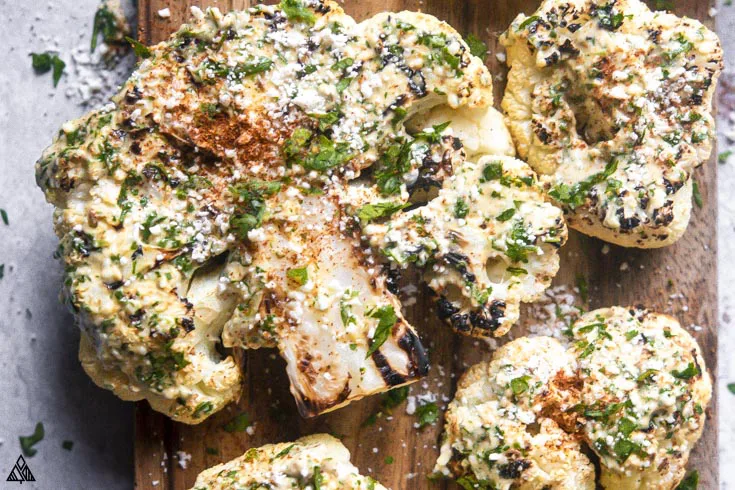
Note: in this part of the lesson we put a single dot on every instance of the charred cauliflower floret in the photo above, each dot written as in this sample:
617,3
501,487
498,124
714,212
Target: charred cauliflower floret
611,104
488,241
208,203
644,391
497,434
319,461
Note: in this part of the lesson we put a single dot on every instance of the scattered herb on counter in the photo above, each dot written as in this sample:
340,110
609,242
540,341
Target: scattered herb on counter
389,460
690,482
203,409
238,424
2,271
583,288
477,46
731,388
45,62
696,194
722,157
213,451
427,413
390,400
4,216
67,445
104,23
27,442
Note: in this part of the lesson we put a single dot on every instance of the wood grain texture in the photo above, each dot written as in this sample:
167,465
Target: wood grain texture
680,280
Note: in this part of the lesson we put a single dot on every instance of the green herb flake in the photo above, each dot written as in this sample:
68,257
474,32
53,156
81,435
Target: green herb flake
318,479
296,11
299,275
370,212
4,216
697,195
104,23
389,460
27,442
477,46
238,424
141,50
722,157
386,316
45,62
284,451
461,208
583,288
688,373
731,388
203,408
506,215
690,482
519,385
68,445
427,414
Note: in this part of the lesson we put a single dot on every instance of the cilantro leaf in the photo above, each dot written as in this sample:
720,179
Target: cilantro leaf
27,442
370,212
299,275
386,316
477,46
427,413
141,50
238,424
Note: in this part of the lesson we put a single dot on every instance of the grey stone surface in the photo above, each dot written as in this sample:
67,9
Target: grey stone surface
41,379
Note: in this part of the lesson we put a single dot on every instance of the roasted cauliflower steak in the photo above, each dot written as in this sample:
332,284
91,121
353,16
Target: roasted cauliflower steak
611,104
213,203
318,461
632,387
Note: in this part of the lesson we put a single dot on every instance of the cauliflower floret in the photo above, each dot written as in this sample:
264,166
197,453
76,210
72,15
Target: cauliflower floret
489,242
497,432
611,104
644,390
319,461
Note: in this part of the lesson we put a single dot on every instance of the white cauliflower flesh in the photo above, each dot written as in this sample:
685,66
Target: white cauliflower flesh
319,462
632,386
611,104
644,391
497,432
488,241
208,203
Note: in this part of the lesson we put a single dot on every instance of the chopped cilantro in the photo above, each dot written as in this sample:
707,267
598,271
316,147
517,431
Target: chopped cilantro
318,479
284,451
722,157
238,424
104,23
427,414
688,373
583,288
461,208
203,408
506,215
731,388
696,194
370,212
299,275
477,46
141,50
576,195
67,445
45,62
27,442
4,216
386,316
388,460
519,385
690,482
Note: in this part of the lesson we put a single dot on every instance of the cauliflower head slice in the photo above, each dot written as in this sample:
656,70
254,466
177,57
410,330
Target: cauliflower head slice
489,241
163,201
317,461
611,105
644,390
497,433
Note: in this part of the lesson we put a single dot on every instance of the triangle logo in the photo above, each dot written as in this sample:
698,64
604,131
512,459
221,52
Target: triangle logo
20,472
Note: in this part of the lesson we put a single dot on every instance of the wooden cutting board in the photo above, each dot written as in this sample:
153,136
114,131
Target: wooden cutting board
680,280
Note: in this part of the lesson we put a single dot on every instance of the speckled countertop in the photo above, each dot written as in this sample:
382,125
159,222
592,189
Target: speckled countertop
41,378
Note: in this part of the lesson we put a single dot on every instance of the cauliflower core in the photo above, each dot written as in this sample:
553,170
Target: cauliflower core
611,104
319,461
633,386
210,203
